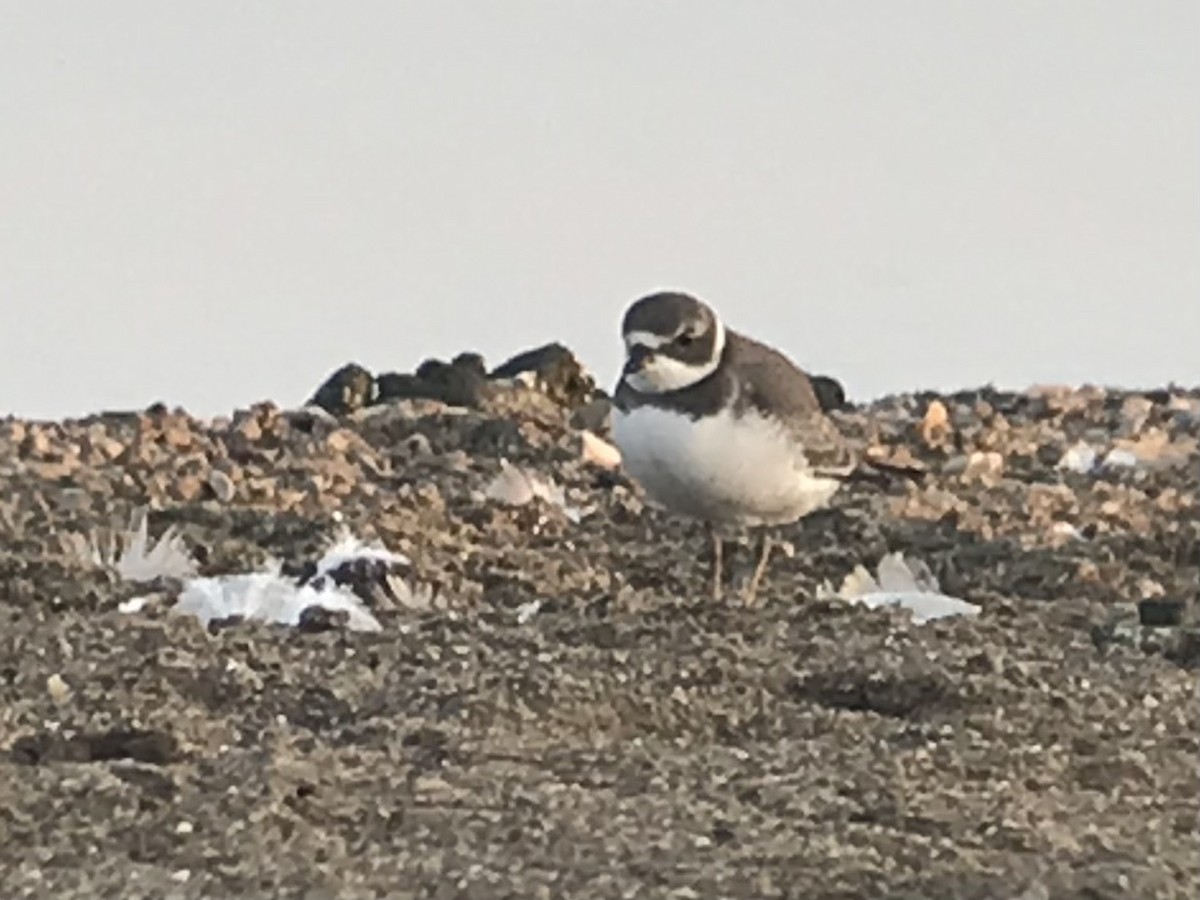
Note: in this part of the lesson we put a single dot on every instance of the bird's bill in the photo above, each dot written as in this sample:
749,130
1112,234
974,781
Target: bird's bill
637,358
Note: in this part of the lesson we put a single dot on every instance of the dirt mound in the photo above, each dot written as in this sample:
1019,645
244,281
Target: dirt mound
565,713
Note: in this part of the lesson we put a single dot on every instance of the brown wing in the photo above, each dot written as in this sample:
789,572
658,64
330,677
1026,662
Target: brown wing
771,383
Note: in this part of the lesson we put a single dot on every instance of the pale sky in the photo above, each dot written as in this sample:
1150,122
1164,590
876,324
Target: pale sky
215,203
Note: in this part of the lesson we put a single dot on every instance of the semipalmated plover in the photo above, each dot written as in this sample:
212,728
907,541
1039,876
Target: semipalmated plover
719,427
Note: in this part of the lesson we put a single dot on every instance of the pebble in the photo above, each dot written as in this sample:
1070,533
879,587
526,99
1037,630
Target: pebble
58,689
222,485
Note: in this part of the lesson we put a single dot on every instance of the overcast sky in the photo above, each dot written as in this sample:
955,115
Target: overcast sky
215,203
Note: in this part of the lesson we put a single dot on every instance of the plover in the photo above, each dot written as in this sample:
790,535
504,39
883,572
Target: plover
721,428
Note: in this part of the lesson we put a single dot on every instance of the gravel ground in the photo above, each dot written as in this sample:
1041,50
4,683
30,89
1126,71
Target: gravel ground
628,736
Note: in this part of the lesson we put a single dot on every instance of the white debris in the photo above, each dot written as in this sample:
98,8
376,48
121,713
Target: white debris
1119,458
1067,530
527,611
598,452
1079,458
925,607
269,597
515,486
133,605
1084,459
903,584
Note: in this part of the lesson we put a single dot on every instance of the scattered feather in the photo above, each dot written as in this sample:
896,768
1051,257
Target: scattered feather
903,584
266,595
133,555
269,597
527,611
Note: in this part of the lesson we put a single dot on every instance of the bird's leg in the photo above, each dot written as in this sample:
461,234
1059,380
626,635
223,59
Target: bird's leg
718,551
752,588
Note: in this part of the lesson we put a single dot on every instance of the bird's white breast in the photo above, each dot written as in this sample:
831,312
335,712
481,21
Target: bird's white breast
719,468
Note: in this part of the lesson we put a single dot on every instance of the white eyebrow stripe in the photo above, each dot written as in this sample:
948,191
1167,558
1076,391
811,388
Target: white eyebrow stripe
646,339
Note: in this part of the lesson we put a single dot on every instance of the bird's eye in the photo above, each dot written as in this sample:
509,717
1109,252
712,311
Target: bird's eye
686,339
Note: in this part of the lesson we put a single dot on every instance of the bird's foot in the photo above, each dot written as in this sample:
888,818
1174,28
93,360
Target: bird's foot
718,553
750,593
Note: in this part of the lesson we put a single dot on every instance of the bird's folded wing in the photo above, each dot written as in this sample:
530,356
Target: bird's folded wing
826,452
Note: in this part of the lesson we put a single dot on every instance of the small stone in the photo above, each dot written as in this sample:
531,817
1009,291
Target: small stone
248,429
36,443
598,452
315,619
221,485
177,435
341,440
348,389
1135,411
935,424
956,465
984,465
58,688
189,487
1160,613
417,446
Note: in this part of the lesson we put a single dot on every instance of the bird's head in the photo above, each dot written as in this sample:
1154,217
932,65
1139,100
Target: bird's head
672,341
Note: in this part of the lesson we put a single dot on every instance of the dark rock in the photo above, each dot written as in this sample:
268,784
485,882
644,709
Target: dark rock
348,389
315,619
400,386
154,747
558,372
1185,650
462,382
1160,613
472,363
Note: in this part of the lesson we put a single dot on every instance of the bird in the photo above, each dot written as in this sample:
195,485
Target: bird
719,427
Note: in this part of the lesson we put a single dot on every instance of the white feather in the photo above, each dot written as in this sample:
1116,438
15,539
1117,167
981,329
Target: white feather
268,596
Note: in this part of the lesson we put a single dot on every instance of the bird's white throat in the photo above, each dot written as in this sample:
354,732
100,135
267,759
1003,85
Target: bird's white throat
661,374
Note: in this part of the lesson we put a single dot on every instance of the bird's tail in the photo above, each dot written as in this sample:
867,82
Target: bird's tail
884,472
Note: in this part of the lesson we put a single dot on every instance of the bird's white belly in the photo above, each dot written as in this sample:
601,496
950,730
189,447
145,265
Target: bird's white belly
719,468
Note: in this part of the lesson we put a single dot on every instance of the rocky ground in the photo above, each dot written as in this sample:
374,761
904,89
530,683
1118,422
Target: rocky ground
627,735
